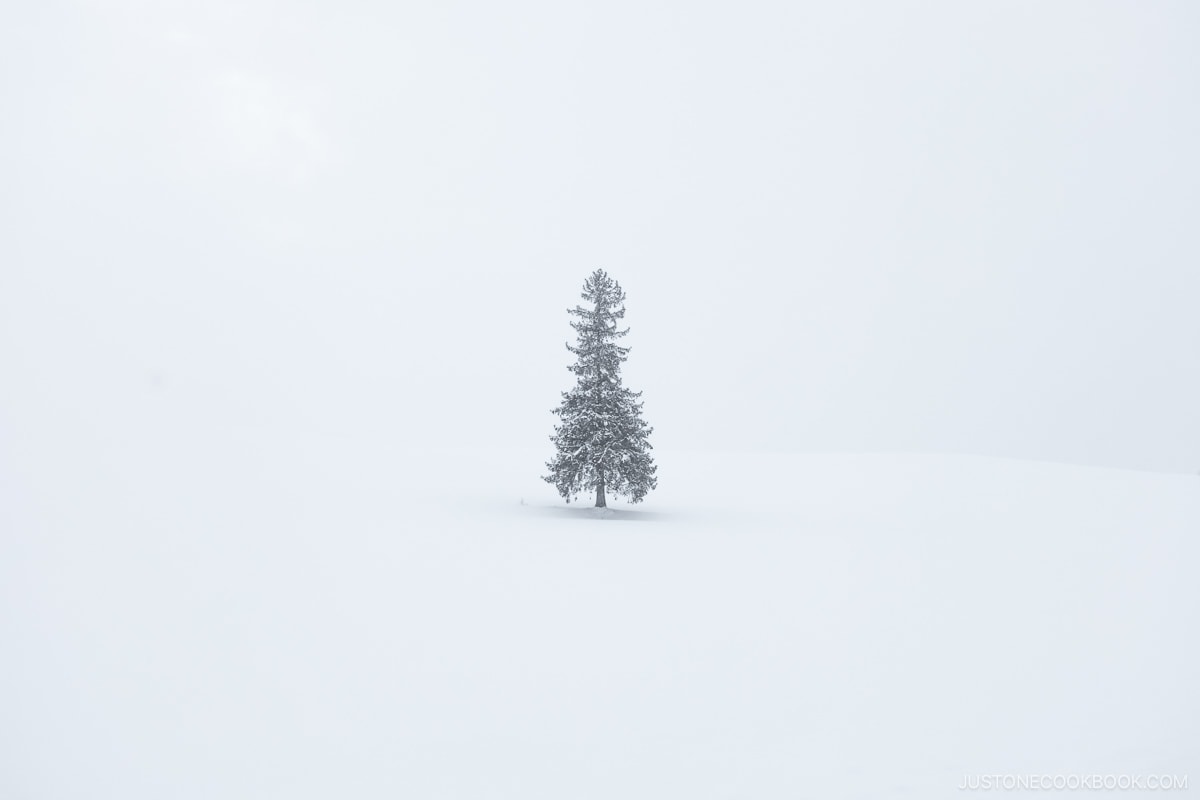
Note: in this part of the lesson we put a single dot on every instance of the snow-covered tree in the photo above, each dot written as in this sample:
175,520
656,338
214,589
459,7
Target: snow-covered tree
602,442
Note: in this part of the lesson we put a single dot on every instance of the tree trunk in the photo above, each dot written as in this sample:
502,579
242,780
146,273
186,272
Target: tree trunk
600,492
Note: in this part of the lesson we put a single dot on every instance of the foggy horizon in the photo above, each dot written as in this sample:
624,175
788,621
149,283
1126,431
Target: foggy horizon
935,227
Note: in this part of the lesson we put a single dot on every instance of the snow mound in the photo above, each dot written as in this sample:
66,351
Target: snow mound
334,620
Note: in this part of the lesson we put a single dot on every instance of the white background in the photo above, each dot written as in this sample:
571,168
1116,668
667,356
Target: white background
945,227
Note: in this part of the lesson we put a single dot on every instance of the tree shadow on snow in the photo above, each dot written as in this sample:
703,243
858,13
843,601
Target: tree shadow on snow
601,514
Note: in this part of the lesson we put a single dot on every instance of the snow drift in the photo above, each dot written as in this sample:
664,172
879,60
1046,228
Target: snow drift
211,618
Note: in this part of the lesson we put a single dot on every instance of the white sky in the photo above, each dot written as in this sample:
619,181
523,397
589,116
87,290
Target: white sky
924,226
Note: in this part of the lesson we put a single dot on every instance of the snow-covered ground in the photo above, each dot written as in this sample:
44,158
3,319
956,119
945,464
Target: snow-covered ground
218,618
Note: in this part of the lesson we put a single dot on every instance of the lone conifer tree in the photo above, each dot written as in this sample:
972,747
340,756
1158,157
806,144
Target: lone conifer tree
602,440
